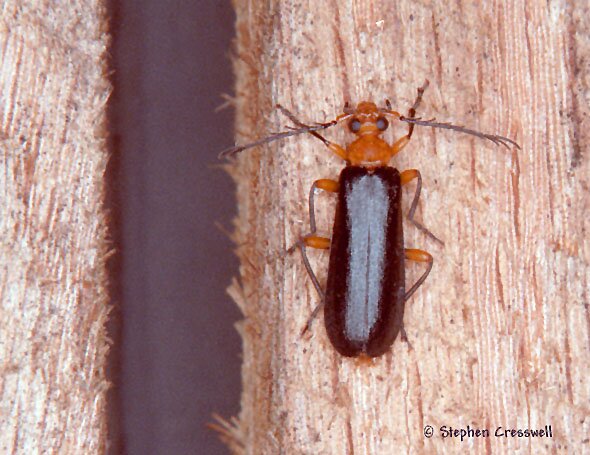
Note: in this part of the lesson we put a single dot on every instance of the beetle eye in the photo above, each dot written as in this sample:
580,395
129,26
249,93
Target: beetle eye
382,123
354,125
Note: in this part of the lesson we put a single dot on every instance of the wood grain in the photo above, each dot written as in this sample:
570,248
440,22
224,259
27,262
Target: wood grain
53,243
499,332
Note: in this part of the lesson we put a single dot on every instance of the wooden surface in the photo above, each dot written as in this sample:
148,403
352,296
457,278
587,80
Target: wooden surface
499,332
53,248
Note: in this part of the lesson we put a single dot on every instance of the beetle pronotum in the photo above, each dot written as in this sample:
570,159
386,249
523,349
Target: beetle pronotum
365,291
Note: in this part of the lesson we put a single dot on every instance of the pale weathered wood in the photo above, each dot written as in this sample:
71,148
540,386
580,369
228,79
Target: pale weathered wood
500,331
53,236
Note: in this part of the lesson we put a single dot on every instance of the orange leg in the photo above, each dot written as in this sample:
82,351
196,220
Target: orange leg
314,241
327,185
399,144
406,177
409,175
418,256
335,148
323,184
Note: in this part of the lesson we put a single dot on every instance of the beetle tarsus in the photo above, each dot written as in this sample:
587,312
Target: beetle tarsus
404,338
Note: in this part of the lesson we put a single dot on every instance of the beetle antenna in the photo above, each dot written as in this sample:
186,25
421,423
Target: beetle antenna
302,128
231,151
498,140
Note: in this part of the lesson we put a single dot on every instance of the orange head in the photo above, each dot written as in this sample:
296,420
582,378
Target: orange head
368,122
367,118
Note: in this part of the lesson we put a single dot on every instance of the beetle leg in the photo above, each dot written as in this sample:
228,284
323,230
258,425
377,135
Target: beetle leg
404,337
322,184
406,177
418,256
335,148
403,141
313,315
399,144
313,241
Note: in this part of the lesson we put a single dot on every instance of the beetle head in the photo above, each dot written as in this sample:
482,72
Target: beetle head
367,119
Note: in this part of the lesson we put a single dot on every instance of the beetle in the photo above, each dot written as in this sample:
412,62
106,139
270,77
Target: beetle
365,293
